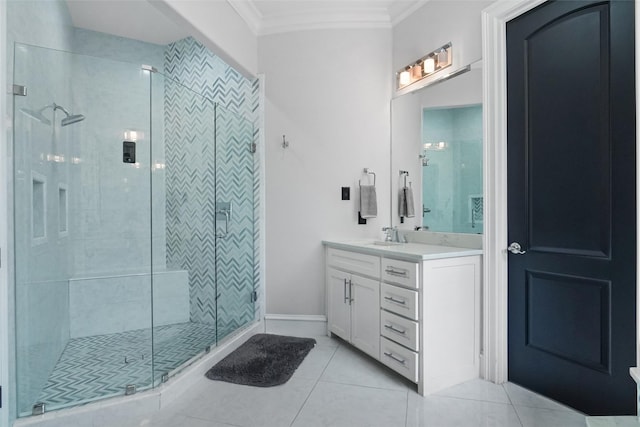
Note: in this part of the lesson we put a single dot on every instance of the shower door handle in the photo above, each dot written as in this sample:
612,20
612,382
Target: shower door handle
223,211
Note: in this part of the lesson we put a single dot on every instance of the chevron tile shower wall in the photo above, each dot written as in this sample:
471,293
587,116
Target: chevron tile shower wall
194,184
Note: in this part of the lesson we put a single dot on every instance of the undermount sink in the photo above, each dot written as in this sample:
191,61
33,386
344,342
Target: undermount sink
385,243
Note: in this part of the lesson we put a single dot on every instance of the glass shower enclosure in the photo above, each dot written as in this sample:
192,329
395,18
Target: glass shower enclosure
134,227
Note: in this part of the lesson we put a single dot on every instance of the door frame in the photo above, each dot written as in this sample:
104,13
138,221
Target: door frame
4,228
495,279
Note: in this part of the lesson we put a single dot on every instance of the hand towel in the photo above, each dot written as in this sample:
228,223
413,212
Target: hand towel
406,207
368,201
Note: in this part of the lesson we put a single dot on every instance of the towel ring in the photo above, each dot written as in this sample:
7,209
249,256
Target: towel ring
368,172
405,174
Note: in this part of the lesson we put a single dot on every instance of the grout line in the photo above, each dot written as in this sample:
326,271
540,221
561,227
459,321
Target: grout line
472,400
406,413
512,405
314,387
370,386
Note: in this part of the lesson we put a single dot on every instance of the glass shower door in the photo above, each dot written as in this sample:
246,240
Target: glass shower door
235,211
203,241
183,180
82,236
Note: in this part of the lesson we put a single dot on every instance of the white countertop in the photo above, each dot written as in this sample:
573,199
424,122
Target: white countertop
406,251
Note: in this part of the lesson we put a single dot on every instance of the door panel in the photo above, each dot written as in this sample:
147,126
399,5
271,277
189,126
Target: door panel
365,315
571,192
339,309
572,50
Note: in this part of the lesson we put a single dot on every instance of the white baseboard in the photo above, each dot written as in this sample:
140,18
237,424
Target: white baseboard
296,324
297,317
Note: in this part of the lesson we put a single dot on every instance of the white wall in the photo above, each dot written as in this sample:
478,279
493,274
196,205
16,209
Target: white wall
217,26
328,91
437,23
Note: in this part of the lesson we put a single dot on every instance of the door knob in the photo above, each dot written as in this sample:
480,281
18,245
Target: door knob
515,248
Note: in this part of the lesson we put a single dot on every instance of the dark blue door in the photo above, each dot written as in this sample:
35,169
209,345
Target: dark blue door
571,170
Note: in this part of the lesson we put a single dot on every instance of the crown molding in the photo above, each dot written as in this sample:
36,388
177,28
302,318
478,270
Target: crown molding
249,13
326,19
404,13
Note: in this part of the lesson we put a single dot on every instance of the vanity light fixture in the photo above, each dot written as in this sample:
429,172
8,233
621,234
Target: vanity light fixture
426,66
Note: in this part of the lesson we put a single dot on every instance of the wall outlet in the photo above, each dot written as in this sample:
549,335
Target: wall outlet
346,193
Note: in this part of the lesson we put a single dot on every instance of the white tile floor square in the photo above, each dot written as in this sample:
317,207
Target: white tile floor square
338,386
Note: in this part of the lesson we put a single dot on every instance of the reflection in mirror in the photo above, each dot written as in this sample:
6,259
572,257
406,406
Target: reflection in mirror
448,192
452,169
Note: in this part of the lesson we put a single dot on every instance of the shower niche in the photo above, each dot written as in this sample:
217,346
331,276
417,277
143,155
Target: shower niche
123,275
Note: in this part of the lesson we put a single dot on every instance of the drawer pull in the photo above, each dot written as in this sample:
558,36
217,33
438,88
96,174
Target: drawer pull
397,301
397,359
346,298
392,271
398,331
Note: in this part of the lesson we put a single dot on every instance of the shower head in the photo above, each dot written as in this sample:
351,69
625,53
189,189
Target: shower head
36,115
69,120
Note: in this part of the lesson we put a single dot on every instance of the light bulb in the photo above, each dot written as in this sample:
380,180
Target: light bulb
429,65
405,78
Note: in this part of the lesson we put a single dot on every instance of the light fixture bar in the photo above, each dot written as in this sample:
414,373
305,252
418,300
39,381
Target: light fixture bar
426,66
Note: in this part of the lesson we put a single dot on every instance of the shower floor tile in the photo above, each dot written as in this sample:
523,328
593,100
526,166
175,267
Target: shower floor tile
94,367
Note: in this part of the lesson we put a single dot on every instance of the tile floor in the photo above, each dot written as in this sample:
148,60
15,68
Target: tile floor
338,386
87,359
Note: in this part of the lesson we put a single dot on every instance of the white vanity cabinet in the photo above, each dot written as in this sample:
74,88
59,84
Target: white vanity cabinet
353,300
426,321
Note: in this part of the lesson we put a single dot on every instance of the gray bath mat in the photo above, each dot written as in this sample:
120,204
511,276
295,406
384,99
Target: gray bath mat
264,360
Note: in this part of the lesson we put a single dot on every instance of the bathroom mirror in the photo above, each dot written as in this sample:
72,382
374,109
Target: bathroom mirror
436,145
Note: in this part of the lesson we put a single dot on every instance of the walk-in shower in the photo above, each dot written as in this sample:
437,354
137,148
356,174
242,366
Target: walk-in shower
125,271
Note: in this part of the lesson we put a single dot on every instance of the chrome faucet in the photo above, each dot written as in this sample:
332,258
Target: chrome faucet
388,233
391,234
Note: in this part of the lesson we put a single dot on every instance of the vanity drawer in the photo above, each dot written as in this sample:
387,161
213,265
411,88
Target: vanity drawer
400,272
398,329
400,359
399,300
368,265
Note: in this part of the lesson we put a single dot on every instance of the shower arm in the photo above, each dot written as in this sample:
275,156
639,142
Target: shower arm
59,107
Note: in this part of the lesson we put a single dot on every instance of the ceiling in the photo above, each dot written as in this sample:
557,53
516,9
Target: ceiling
139,19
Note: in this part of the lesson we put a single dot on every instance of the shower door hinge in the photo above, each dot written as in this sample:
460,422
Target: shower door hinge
19,90
253,147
